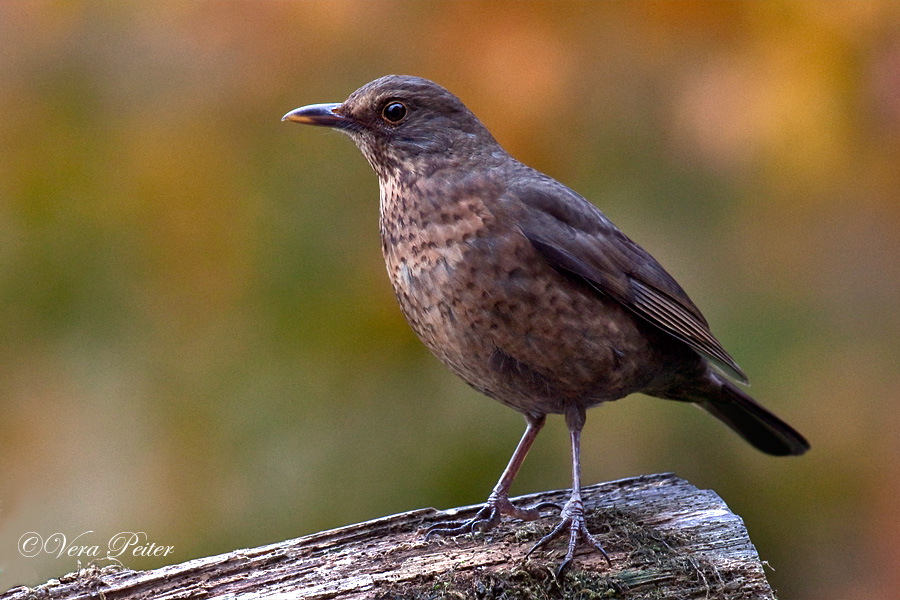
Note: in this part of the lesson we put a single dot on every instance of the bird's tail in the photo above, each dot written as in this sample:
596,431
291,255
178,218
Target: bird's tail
751,421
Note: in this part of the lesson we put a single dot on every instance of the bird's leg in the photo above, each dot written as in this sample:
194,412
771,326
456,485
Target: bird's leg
498,503
572,515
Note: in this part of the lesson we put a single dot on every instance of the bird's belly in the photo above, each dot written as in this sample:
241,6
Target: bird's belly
514,328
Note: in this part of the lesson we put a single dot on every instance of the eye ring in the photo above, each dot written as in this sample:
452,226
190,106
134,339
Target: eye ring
394,111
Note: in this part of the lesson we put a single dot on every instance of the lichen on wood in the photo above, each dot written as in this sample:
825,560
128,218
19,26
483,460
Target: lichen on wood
666,539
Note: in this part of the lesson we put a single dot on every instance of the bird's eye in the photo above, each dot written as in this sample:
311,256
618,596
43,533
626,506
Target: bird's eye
394,112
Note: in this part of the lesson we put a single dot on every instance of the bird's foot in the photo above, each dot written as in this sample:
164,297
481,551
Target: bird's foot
489,515
571,517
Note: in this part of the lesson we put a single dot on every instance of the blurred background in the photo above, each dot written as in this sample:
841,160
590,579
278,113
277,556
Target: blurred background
198,339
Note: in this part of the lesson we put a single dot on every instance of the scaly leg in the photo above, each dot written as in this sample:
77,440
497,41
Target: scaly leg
572,515
498,503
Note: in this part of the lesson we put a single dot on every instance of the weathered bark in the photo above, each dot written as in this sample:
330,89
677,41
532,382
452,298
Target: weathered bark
666,539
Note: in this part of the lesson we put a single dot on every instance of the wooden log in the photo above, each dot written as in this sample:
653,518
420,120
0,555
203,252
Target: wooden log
666,539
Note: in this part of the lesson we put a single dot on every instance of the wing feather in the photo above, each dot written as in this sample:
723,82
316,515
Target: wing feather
575,237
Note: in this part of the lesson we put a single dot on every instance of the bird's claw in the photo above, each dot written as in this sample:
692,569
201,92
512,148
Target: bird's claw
488,516
572,516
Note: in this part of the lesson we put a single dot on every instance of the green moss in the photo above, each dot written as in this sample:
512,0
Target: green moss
531,581
649,565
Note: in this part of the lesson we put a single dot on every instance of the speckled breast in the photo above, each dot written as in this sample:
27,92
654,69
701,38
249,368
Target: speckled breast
488,306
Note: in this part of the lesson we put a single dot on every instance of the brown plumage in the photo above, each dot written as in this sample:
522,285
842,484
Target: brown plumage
525,289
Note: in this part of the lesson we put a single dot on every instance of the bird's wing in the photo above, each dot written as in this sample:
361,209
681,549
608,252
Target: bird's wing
575,237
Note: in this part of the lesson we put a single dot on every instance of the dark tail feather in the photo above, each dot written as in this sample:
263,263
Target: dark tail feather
754,423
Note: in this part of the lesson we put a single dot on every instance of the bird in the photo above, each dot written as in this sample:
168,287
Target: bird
527,291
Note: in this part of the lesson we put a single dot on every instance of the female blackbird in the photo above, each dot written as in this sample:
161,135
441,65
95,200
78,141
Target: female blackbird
525,289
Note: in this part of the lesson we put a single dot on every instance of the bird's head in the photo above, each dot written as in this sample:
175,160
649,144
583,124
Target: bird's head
406,125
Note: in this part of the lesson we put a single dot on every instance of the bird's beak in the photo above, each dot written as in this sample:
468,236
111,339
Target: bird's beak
317,114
